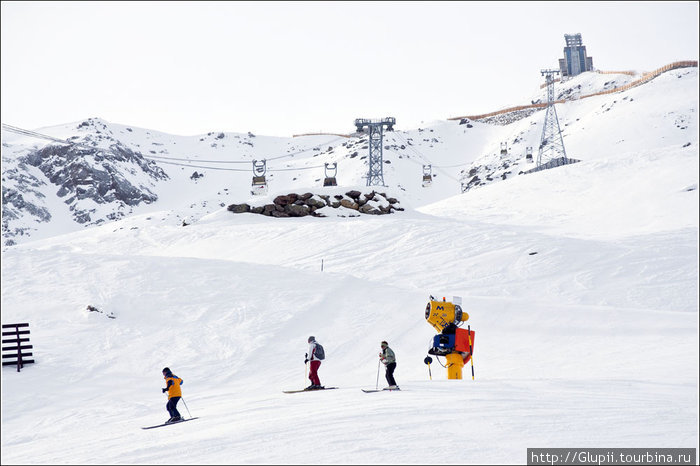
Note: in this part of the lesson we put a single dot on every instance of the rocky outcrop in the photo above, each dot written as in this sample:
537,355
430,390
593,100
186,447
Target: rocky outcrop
98,184
301,205
97,176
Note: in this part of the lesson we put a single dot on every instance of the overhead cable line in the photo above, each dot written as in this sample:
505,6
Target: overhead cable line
407,158
159,159
428,161
25,132
305,150
238,161
292,169
448,175
415,151
237,169
198,161
208,168
452,166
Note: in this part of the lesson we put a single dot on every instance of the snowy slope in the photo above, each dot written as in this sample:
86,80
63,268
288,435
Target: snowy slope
581,283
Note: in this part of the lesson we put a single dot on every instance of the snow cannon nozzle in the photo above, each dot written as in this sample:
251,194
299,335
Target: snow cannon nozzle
441,314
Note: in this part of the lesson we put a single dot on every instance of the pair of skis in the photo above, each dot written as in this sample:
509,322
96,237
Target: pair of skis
169,423
331,388
381,390
310,390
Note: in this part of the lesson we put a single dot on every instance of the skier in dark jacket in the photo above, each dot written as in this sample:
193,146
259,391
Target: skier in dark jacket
173,383
388,357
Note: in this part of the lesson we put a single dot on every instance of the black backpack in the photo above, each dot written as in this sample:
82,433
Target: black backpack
320,353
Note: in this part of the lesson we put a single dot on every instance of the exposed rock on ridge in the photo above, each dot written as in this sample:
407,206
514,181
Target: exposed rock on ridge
117,180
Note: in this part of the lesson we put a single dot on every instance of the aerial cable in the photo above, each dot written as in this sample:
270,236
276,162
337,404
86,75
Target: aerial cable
208,168
234,161
198,161
292,169
408,159
305,150
25,132
415,151
34,134
426,159
452,166
448,175
433,166
30,133
238,169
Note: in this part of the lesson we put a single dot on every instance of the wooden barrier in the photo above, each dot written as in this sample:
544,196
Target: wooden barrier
628,73
15,350
499,112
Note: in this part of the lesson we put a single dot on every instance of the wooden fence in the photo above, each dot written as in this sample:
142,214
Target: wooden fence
644,78
14,351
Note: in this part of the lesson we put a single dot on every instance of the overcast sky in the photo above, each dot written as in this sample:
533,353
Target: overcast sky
282,68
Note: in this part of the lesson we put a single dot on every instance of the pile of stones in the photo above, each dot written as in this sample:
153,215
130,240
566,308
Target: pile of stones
300,205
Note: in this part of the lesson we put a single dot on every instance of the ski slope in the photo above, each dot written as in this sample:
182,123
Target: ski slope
581,284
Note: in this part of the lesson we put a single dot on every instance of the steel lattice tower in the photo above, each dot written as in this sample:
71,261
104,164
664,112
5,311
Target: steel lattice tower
375,177
551,144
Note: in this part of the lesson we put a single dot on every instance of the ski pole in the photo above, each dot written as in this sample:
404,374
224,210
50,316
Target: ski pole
428,360
188,409
306,368
471,351
377,385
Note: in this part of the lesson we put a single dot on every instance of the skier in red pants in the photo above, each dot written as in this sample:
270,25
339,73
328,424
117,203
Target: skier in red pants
314,356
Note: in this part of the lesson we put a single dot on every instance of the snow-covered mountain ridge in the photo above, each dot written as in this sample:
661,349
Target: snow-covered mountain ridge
51,189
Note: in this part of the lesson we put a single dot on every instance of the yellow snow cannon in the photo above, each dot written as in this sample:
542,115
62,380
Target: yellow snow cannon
456,344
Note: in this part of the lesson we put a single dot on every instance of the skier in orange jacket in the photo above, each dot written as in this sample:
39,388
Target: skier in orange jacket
173,383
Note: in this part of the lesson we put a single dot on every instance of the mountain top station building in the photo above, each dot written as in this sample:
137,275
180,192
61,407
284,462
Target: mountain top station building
575,60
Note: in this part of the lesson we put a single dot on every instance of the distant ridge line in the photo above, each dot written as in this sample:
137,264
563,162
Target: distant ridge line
645,78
